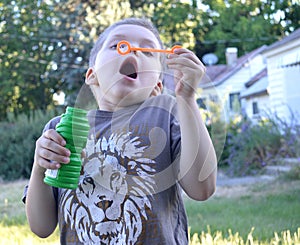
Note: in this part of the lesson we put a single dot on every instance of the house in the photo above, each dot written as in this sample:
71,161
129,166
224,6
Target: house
283,64
264,81
224,84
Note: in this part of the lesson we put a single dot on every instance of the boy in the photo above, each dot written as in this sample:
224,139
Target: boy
143,148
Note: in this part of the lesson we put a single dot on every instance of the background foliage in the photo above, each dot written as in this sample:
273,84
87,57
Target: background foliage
44,45
247,149
250,147
18,136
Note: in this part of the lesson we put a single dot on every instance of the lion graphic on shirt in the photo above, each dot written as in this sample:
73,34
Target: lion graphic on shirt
113,197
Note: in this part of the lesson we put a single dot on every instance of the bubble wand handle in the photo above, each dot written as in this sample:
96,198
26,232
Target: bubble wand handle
123,47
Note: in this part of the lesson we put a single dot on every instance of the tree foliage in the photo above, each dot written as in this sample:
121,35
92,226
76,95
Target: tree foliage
44,45
77,26
177,22
25,57
248,24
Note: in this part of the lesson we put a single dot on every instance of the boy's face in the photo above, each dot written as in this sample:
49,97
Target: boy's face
118,80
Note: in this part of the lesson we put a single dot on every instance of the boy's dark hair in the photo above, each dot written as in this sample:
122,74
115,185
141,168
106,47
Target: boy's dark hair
129,21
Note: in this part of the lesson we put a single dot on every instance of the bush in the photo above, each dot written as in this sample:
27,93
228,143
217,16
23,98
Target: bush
18,136
253,147
214,119
293,174
290,146
250,147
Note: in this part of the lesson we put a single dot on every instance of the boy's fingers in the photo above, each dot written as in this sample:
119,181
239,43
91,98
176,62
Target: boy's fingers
184,59
50,145
55,136
50,150
49,165
184,53
53,156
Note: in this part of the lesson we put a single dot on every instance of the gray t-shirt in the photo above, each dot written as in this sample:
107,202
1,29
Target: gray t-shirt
128,191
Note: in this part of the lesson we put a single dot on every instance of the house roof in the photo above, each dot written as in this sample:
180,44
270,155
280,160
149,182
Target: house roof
257,85
217,74
290,42
295,35
257,77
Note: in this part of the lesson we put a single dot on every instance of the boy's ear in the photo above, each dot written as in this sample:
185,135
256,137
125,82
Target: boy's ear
90,77
157,89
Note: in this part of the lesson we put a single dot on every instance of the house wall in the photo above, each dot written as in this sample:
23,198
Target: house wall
292,89
276,90
263,104
256,64
284,79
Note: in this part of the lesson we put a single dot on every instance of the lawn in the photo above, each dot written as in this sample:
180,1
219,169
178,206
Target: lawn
13,225
268,207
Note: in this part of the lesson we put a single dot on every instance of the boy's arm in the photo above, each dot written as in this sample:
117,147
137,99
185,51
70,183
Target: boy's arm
41,208
198,161
40,204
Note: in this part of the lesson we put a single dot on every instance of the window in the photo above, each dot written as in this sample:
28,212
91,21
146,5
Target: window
255,109
201,103
234,102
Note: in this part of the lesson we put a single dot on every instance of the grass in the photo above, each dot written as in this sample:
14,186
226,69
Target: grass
13,225
266,208
253,213
21,235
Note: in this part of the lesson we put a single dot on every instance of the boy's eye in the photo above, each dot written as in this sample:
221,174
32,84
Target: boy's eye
148,53
114,46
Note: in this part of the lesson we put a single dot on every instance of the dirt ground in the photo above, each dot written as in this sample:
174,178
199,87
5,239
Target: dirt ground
226,186
238,186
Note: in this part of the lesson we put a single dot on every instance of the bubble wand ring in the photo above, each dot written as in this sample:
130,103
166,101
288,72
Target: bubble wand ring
123,47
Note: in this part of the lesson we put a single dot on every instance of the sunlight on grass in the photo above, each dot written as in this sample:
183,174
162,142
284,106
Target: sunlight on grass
21,235
14,229
272,207
218,238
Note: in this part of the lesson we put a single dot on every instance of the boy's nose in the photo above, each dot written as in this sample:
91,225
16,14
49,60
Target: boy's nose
136,52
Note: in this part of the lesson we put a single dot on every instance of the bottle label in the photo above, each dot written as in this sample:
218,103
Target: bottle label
52,173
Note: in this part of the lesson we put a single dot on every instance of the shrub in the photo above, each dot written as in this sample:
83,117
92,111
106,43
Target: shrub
249,147
290,146
293,174
214,119
18,136
253,147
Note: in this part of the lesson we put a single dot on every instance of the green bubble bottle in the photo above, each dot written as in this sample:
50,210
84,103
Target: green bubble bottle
74,127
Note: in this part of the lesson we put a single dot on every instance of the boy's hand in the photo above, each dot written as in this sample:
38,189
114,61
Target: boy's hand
188,71
50,150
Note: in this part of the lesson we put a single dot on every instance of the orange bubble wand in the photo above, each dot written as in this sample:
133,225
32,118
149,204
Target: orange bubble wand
124,47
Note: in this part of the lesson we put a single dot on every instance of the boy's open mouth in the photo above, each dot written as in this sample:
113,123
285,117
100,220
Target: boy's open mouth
129,69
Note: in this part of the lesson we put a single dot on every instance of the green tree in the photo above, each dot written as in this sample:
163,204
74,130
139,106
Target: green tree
44,48
77,26
24,56
178,22
290,14
45,45
238,24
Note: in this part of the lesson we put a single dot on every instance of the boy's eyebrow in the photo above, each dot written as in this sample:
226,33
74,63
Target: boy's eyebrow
123,37
116,36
